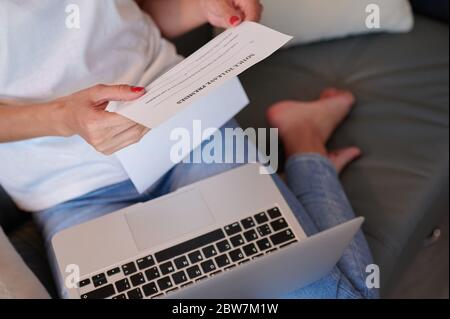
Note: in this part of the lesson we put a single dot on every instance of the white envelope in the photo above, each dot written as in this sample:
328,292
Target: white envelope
147,161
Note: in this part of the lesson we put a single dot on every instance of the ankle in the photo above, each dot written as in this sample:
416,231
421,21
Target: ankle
305,141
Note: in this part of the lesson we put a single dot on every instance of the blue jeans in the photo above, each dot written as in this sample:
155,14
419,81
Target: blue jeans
315,196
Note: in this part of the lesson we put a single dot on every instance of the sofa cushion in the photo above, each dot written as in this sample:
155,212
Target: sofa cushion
400,122
315,20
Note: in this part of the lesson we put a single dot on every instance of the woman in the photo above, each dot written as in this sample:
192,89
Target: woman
56,145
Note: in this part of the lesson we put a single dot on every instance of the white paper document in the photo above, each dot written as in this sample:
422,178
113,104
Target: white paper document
203,87
226,56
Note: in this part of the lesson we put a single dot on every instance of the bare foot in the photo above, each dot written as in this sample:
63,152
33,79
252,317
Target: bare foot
305,127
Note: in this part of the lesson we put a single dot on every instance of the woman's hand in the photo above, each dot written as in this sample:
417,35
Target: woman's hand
83,113
230,13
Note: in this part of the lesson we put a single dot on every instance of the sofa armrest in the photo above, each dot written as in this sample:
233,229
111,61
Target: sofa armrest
17,281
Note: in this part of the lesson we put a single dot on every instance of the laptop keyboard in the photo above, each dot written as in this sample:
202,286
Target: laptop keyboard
194,260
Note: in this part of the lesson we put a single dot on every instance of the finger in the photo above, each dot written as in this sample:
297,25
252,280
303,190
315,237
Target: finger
102,93
132,138
126,138
226,14
252,9
341,158
110,124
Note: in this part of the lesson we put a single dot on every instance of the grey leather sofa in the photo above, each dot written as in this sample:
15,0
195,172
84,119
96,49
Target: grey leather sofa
401,122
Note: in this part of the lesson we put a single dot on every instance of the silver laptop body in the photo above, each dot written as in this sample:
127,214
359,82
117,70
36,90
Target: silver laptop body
228,236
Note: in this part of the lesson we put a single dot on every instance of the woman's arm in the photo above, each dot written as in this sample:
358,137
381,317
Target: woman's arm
175,17
21,122
82,113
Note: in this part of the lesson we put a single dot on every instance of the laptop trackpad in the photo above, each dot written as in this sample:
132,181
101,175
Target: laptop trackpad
164,220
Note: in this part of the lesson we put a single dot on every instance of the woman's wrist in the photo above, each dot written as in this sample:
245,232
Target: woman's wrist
57,119
20,121
50,119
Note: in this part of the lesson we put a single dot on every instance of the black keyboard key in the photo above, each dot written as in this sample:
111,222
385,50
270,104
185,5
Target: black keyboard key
129,269
152,273
113,271
208,266
150,289
194,272
190,245
237,241
264,230
167,268
135,294
144,263
248,223
181,262
274,213
233,229
100,293
195,256
209,251
121,296
84,282
279,224
223,246
236,255
137,279
122,285
222,261
179,277
282,237
250,235
263,244
261,218
250,250
164,283
99,280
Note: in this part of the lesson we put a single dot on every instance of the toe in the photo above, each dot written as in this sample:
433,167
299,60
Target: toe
330,92
343,157
340,103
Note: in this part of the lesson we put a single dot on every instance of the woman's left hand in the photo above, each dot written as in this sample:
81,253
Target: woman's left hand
230,13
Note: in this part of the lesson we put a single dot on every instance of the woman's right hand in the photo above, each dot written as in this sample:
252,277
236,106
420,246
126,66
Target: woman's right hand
83,113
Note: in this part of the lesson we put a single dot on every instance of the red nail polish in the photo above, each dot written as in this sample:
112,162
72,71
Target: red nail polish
137,89
234,20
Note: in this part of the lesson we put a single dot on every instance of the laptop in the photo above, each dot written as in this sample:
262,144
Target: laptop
229,236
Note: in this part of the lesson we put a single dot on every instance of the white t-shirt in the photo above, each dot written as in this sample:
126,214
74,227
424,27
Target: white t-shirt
43,56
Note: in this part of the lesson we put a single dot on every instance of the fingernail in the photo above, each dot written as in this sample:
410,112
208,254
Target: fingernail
234,20
137,89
